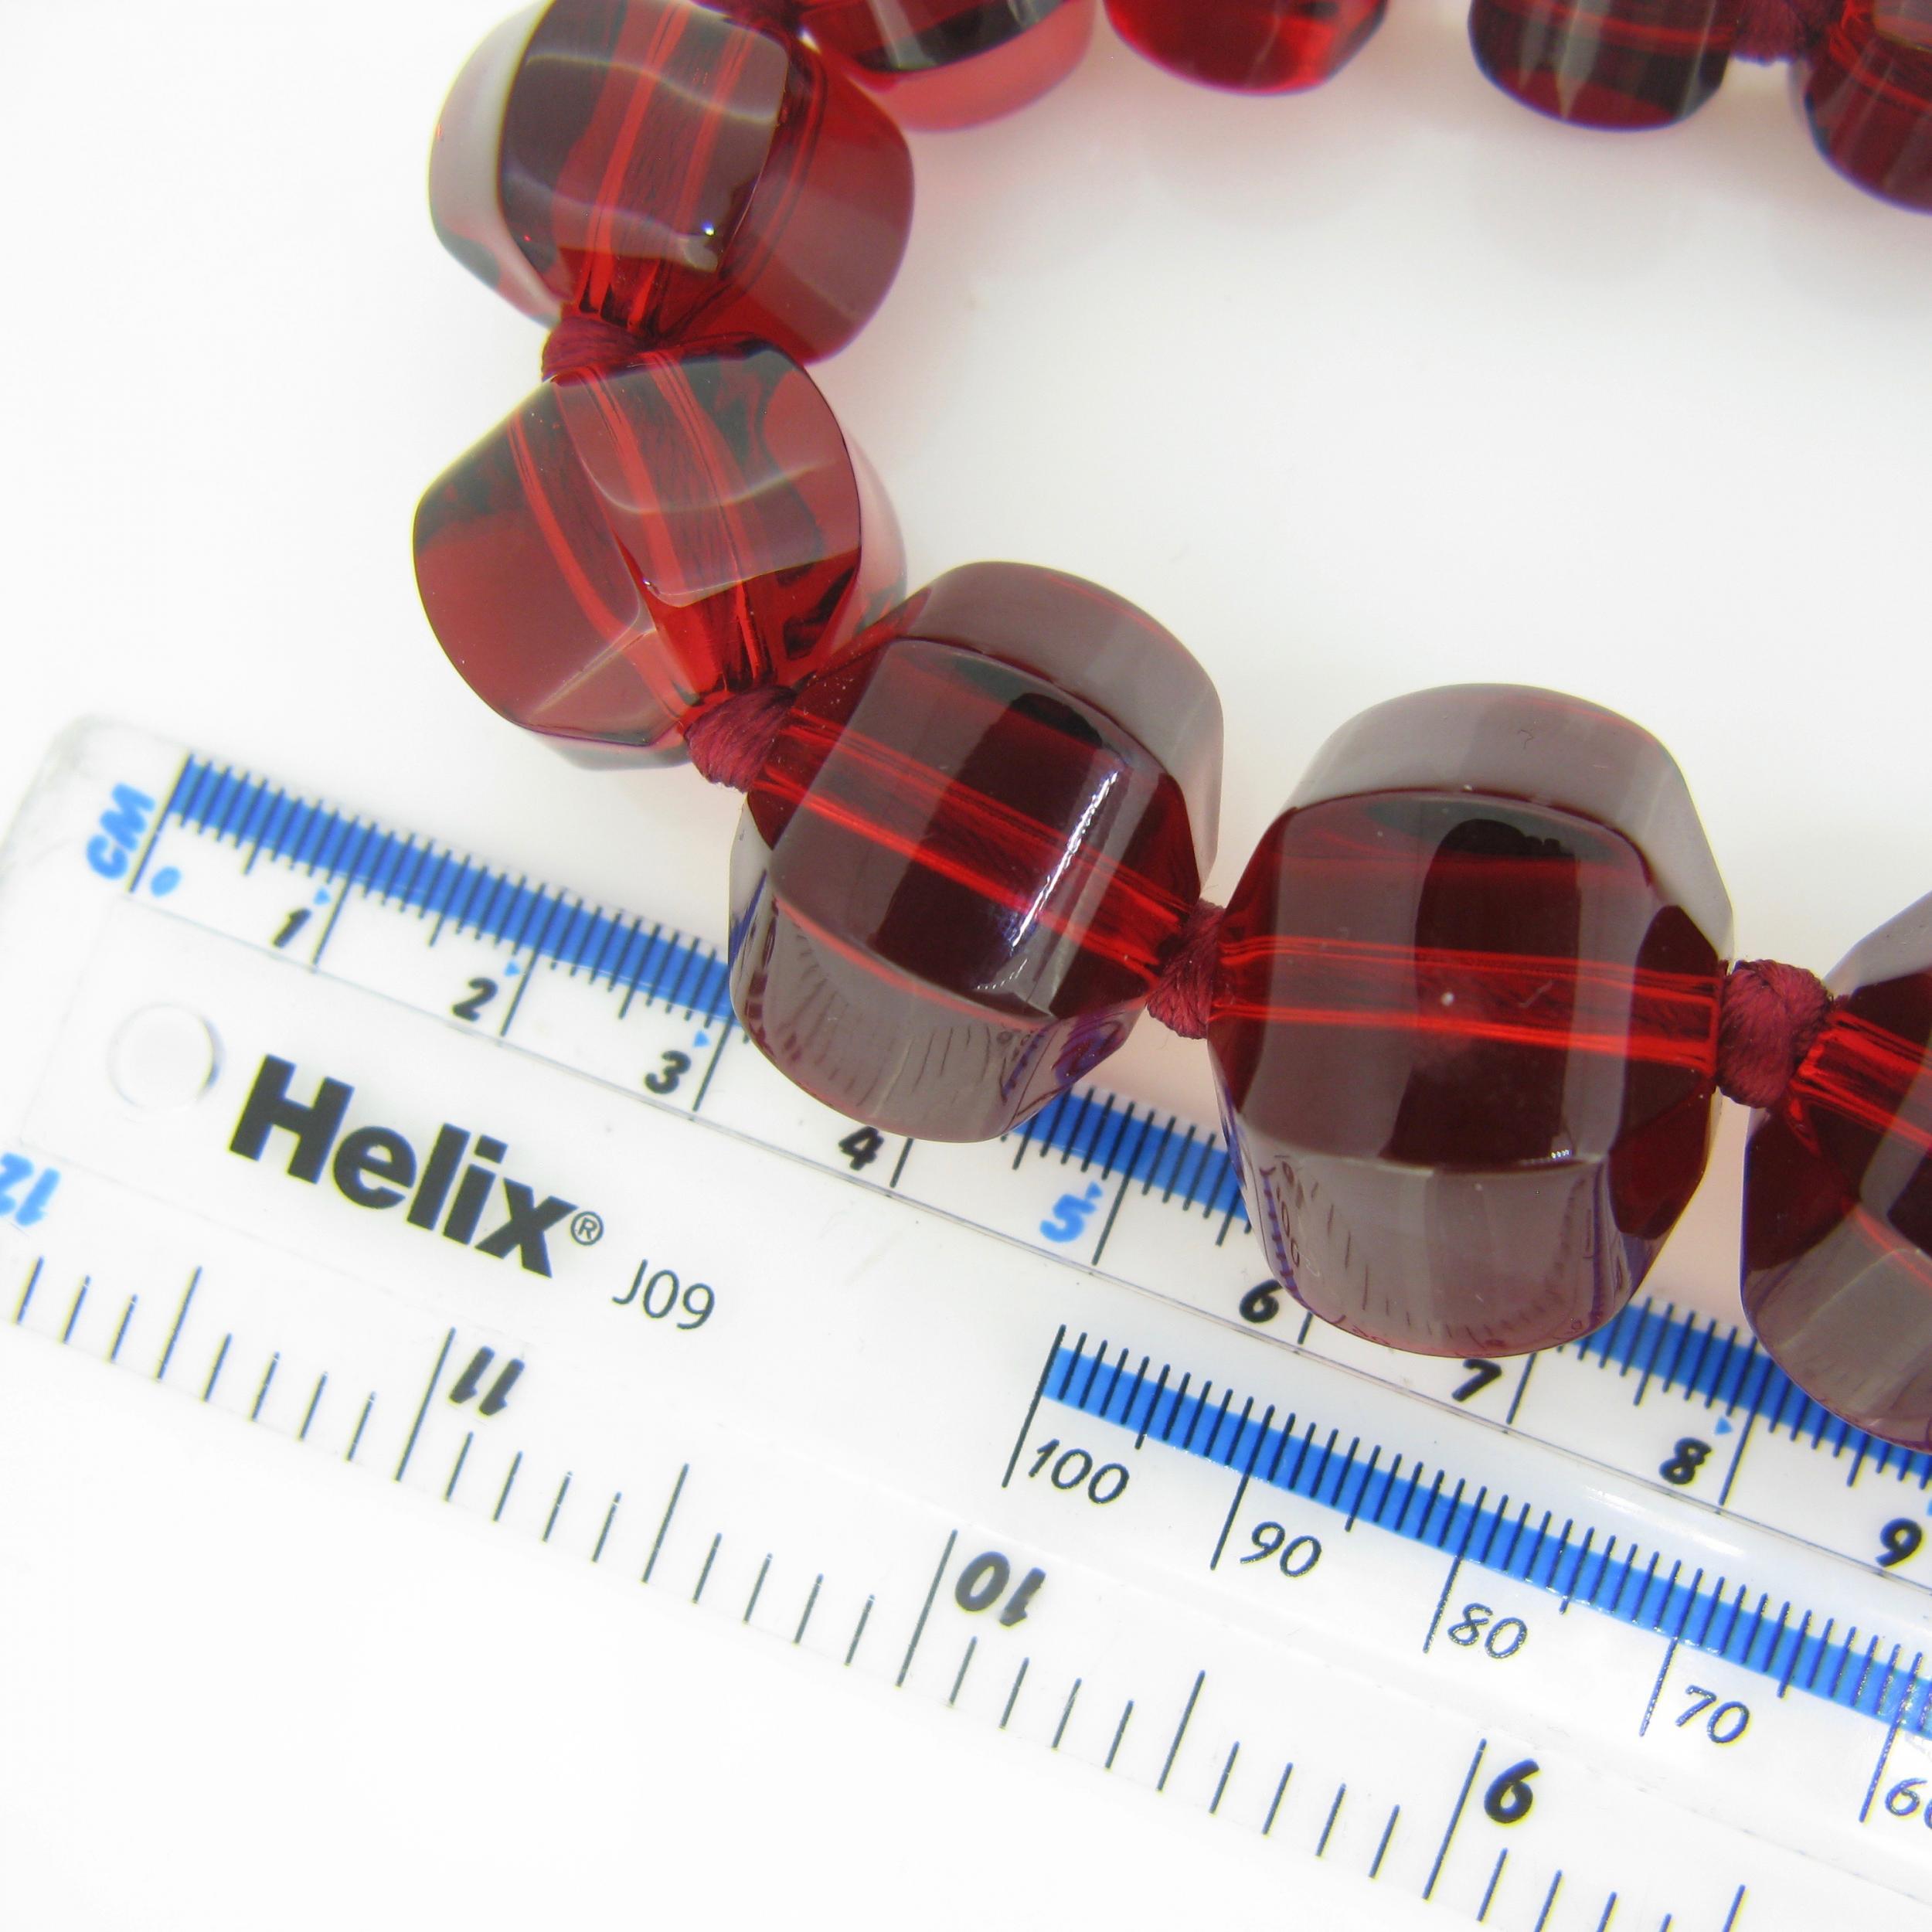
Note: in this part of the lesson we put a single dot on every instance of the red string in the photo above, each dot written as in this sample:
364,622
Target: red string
1771,1013
1781,29
588,344
729,741
1183,997
1772,1016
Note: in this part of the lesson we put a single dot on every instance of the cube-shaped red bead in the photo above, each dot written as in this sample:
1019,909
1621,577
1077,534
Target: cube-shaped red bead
1253,46
1869,98
952,63
630,547
1465,1020
1838,1196
687,170
1606,63
971,849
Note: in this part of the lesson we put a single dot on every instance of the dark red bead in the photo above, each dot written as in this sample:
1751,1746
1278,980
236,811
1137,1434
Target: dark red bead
971,849
628,547
951,64
1606,63
687,170
1465,1022
1869,98
1838,1196
1259,46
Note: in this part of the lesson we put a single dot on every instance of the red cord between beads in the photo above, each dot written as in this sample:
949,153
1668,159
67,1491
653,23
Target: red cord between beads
1771,1014
1183,997
729,741
1781,29
587,344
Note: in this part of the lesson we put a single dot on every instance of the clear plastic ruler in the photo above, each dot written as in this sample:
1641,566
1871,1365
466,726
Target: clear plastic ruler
470,1186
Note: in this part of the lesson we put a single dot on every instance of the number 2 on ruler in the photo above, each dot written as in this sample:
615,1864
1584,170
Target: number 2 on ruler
24,1208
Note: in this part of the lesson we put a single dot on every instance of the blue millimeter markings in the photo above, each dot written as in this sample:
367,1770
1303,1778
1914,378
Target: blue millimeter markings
1680,1354
437,883
1090,1126
1647,1593
253,814
1669,1352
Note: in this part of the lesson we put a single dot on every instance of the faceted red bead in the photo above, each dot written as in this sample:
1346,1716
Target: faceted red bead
1869,98
1465,1021
688,170
950,63
1260,46
971,849
630,546
1606,63
1838,1196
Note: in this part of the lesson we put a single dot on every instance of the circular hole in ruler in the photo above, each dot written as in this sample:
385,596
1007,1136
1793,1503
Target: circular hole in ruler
163,1058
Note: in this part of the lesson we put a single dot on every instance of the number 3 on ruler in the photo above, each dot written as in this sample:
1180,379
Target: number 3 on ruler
24,1210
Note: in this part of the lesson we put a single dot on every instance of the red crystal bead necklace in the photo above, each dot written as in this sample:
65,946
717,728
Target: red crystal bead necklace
1469,1006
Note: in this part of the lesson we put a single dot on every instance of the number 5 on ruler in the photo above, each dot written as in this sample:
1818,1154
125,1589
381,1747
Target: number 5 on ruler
25,1209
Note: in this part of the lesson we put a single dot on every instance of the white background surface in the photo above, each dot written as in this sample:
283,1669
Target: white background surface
1390,386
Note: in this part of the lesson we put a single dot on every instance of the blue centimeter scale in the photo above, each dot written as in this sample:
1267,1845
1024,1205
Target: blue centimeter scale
1105,1136
263,820
1802,1639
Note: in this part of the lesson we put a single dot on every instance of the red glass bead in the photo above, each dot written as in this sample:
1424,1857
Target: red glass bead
971,849
1259,46
688,170
1606,63
628,547
1869,98
1838,1196
1465,1021
951,64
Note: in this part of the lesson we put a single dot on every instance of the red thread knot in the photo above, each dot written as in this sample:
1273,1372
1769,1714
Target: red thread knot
729,741
1781,29
1771,1014
587,344
1183,997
